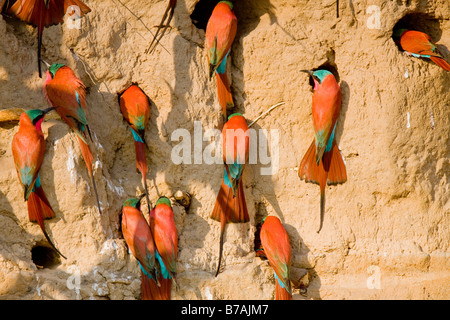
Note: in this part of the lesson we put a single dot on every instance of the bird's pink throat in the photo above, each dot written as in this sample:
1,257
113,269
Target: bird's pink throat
316,84
48,78
38,125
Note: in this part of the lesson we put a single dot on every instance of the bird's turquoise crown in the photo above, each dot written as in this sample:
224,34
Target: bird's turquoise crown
132,202
228,3
321,74
55,67
164,200
398,32
34,114
234,114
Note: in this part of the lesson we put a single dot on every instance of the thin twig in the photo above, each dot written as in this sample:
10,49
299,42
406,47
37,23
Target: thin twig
140,20
75,56
266,112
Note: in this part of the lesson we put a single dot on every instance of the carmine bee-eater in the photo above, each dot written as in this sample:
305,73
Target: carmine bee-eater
63,89
230,203
135,108
323,163
165,235
420,45
277,249
220,33
138,236
163,25
45,13
28,148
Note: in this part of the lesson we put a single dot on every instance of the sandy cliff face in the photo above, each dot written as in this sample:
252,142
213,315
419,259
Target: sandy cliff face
386,230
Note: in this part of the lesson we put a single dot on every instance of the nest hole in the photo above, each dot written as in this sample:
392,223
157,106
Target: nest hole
418,22
257,242
202,12
332,67
329,66
44,257
261,214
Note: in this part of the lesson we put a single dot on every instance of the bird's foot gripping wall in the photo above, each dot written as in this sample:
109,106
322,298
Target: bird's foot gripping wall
385,232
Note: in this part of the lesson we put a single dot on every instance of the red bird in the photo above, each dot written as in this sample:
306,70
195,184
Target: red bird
420,45
230,203
220,33
135,107
137,235
276,246
323,163
28,148
44,13
165,235
64,90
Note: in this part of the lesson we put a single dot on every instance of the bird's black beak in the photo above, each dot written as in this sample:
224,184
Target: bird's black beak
310,72
45,111
312,76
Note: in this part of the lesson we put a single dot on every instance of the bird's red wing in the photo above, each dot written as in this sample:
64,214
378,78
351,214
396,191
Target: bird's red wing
32,11
165,234
419,43
277,248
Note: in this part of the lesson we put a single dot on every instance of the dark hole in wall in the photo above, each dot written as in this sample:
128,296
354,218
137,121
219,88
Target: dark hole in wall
329,66
261,214
257,243
44,257
419,22
202,12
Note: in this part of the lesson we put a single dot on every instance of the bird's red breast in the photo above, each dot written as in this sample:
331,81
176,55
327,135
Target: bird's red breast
277,248
326,104
235,137
417,42
137,235
28,148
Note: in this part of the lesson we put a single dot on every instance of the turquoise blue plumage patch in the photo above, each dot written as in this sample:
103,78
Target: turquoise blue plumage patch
136,136
222,68
235,173
330,141
281,282
144,271
80,111
164,272
418,55
26,175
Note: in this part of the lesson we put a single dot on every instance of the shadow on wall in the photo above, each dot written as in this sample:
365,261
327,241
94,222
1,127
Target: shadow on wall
301,268
249,15
28,41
